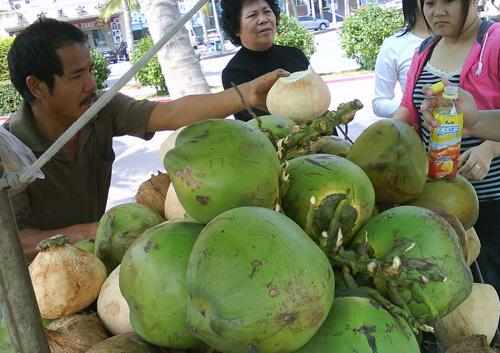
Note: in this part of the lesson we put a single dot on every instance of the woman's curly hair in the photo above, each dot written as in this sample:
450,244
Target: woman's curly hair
231,16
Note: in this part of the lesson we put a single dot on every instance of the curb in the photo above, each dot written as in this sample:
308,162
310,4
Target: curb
351,78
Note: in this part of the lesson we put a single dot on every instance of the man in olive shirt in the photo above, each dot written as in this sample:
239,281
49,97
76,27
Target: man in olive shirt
50,65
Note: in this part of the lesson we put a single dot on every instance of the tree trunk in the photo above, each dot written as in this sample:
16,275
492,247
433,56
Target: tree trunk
292,10
179,63
129,37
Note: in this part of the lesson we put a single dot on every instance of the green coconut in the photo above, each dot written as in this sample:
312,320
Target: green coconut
127,342
432,246
87,245
257,283
358,324
278,126
118,228
218,165
393,156
327,193
153,282
335,145
456,196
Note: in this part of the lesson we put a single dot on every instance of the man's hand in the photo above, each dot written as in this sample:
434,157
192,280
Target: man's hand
31,237
465,104
255,91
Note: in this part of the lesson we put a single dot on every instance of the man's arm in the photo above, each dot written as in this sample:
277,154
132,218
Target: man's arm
30,237
187,110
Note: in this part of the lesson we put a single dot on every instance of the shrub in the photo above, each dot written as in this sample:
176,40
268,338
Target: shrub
363,33
5,44
101,70
151,74
292,34
10,99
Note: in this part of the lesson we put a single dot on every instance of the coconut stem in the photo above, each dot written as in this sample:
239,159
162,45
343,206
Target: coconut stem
299,142
397,270
53,242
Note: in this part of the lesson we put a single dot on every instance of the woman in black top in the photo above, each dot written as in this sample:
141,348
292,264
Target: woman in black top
252,24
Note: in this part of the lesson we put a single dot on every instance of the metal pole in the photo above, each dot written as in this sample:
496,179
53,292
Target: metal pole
17,298
90,113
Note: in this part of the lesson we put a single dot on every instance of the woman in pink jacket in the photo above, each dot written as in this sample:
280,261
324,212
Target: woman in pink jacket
464,50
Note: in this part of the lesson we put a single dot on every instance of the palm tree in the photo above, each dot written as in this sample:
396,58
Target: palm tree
111,7
177,58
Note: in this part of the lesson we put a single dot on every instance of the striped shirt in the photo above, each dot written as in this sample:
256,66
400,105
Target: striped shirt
487,189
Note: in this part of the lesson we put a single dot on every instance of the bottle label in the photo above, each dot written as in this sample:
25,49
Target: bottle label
444,146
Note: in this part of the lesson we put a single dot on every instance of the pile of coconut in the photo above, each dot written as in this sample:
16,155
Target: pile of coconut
235,249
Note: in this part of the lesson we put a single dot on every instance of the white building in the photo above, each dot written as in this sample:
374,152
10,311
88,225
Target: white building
17,14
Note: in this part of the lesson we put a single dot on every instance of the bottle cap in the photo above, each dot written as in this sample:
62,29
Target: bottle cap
450,92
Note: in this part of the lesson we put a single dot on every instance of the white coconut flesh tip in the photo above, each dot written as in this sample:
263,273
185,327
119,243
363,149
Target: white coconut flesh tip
295,76
302,96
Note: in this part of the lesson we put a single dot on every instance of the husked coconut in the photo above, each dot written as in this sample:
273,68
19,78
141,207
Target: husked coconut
75,334
173,207
169,143
477,315
112,306
301,97
472,246
65,279
153,191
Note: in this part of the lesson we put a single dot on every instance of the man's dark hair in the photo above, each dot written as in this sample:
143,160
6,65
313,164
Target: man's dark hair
231,16
33,52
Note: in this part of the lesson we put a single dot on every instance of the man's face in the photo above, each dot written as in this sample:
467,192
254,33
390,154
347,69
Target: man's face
74,91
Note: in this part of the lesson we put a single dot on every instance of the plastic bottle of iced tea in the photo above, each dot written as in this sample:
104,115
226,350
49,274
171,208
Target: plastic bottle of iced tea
446,137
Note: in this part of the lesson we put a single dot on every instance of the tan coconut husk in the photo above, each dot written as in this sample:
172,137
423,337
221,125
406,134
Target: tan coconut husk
153,191
173,207
112,307
75,334
472,246
478,315
472,344
127,343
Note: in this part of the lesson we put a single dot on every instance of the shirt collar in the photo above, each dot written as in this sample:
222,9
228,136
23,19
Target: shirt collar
22,124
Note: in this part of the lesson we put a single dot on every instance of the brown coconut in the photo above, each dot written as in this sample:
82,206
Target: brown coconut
153,191
471,344
75,334
126,343
456,196
394,158
478,315
112,307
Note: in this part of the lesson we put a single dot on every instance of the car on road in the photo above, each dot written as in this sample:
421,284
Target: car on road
313,24
109,55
